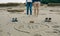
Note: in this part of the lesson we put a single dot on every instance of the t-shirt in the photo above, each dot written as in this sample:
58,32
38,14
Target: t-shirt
29,0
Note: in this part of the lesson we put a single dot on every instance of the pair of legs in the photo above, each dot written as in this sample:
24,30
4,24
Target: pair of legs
29,8
36,8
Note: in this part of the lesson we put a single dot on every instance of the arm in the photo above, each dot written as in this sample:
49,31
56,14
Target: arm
26,2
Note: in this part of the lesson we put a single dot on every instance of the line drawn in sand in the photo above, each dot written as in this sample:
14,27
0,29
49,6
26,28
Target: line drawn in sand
21,30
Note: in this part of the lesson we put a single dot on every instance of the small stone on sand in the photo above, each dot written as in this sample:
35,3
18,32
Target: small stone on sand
31,21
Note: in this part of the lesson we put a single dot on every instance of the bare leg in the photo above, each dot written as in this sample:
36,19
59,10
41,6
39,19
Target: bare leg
35,11
38,9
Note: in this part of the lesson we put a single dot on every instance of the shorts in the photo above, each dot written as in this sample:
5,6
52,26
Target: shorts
37,4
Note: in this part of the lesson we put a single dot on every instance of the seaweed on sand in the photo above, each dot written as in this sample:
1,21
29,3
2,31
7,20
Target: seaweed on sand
15,10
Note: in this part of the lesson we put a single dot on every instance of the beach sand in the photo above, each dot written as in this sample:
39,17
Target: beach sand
24,28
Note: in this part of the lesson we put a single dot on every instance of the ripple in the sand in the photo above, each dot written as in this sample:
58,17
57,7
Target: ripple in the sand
43,14
55,10
57,13
58,30
54,32
1,30
3,33
56,26
37,35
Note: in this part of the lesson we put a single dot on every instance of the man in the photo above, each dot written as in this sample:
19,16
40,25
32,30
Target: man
29,6
36,6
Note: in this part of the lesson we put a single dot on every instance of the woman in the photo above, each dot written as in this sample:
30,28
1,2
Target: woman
36,7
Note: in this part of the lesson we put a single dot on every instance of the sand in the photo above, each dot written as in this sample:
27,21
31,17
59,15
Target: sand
24,28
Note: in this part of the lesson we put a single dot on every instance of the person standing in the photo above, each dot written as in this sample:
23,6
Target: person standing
29,6
36,4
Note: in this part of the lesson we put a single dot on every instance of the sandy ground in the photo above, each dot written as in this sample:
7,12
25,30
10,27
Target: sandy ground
24,28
